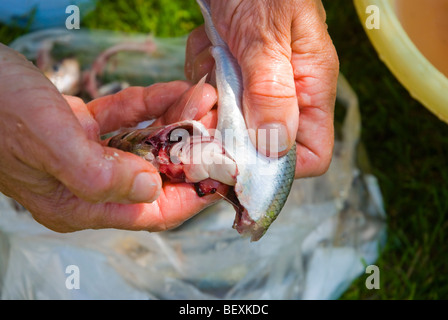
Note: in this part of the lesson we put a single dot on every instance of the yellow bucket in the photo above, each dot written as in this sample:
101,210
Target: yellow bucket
425,82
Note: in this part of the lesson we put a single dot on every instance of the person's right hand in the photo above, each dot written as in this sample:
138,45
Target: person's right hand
53,163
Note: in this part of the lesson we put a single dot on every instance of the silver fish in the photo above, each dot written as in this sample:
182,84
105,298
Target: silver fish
260,185
263,184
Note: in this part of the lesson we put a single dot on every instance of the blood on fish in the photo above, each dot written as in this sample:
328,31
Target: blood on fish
159,144
207,186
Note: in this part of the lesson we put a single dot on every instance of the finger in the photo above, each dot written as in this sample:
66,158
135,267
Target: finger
84,116
201,105
135,104
269,101
145,185
197,42
93,172
316,69
176,204
210,120
101,174
269,97
315,141
203,66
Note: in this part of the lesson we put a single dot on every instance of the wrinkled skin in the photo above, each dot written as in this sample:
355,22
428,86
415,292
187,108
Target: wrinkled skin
54,164
289,67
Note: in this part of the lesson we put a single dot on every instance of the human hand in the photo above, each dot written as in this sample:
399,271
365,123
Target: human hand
54,164
289,67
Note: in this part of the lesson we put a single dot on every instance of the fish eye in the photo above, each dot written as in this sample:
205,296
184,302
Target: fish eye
56,67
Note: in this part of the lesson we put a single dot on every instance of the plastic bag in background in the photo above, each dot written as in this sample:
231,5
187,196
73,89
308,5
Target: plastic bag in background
93,63
329,229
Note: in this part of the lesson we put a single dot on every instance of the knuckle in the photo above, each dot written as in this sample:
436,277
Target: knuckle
314,164
324,161
53,217
276,88
323,166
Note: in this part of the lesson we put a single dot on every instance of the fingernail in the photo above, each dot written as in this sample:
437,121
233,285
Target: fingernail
144,188
272,139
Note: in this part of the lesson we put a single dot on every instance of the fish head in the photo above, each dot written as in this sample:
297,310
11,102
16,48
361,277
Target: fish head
65,75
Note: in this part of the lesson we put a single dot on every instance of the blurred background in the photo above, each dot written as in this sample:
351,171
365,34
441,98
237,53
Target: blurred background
406,145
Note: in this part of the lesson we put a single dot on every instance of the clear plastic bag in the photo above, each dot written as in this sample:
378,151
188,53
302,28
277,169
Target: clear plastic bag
99,62
329,229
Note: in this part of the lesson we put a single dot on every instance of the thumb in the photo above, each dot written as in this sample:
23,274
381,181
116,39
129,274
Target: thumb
102,174
269,99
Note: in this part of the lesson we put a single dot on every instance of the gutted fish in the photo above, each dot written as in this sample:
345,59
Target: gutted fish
186,152
182,152
263,183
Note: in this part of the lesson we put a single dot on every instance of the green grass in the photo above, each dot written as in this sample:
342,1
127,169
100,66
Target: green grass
407,145
9,33
162,18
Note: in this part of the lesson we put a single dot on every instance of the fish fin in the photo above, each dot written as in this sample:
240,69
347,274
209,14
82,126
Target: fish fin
228,200
190,109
